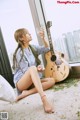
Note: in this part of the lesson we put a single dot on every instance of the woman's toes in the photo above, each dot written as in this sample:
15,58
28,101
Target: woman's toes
22,95
48,110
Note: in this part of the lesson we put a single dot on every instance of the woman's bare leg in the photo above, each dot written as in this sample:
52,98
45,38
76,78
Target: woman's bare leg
32,77
46,84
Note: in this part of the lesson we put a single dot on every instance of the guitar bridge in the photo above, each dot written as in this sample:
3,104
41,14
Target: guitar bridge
58,62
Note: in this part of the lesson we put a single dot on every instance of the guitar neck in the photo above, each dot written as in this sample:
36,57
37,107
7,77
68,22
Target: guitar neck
50,40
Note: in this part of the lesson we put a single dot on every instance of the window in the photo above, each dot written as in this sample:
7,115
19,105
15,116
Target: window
65,30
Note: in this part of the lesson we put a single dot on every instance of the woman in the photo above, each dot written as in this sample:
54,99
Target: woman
27,68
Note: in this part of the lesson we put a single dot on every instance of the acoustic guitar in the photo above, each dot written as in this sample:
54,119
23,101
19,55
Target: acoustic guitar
56,66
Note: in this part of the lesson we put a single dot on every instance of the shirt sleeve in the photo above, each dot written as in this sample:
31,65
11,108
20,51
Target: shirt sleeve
41,49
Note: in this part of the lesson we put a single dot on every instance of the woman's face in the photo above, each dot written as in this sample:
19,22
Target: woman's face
26,38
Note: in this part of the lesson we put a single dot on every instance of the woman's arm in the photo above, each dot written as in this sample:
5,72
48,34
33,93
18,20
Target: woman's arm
41,49
42,35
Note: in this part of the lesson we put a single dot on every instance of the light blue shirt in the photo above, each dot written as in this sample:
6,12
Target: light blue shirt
27,60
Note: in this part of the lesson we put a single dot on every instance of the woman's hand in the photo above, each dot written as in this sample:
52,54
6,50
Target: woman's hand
40,68
42,34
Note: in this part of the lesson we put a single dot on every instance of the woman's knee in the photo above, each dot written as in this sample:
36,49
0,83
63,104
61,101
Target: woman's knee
33,68
52,80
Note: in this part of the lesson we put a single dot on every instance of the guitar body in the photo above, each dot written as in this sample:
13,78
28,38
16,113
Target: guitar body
58,69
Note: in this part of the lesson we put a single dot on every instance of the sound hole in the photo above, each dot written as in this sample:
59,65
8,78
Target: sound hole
53,58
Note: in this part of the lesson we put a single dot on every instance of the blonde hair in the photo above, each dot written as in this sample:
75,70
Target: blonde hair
18,37
19,34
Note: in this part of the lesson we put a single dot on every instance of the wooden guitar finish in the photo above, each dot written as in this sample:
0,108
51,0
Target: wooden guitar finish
56,66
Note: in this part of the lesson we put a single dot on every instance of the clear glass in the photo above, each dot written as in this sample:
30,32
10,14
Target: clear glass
65,29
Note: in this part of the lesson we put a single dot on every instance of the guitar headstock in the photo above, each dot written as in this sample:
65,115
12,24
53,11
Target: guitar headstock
49,24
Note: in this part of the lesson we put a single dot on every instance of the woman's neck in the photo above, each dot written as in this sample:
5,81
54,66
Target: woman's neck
25,45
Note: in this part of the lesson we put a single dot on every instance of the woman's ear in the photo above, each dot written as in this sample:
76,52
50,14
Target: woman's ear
20,39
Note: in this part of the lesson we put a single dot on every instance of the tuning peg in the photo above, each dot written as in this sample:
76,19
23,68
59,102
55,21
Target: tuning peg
49,24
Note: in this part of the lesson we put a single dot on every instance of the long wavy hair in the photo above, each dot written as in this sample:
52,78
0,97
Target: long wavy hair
18,37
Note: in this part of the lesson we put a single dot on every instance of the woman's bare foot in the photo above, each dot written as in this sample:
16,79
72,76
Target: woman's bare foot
22,95
47,106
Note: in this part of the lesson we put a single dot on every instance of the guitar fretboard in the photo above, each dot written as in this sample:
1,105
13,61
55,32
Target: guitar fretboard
49,38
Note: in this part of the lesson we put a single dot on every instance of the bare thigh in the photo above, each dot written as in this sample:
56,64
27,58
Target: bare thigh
47,80
25,82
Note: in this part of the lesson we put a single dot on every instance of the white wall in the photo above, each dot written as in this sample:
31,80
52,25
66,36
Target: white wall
15,14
